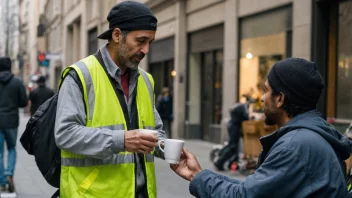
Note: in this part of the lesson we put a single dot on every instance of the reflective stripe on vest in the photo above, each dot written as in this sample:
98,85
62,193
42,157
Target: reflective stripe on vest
149,85
115,159
89,87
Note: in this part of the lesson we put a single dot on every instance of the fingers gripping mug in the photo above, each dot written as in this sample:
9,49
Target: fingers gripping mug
148,131
172,150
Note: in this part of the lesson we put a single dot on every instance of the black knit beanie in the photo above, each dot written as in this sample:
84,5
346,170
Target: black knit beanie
130,16
298,79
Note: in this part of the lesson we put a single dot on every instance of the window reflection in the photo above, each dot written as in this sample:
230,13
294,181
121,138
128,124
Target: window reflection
344,68
257,57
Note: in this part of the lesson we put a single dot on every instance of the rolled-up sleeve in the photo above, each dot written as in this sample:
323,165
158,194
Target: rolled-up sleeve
71,133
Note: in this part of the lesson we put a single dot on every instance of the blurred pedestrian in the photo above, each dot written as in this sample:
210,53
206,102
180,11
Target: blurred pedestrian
164,107
101,115
230,153
303,158
12,96
39,95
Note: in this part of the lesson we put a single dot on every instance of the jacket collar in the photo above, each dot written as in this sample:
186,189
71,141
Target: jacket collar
269,140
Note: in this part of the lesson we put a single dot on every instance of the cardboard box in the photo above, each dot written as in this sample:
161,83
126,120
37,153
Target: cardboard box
252,130
348,165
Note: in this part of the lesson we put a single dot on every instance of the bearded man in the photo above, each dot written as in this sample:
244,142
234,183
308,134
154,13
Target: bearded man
104,101
303,158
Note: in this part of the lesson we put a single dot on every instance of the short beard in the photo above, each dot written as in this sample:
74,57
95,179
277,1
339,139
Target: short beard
271,115
270,118
123,60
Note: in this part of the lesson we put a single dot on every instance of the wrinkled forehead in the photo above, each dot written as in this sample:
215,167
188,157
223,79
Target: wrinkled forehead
146,34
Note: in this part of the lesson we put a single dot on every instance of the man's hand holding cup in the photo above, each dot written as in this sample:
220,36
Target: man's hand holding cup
141,141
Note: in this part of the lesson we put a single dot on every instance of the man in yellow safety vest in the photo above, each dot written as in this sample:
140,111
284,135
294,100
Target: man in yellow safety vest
103,152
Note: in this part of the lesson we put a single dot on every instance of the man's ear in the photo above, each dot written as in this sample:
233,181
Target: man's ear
280,99
116,35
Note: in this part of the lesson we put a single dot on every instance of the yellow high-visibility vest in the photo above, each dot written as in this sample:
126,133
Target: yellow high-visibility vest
113,177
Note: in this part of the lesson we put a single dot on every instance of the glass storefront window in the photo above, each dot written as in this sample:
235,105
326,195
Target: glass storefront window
162,73
344,68
265,39
257,57
211,90
205,90
218,87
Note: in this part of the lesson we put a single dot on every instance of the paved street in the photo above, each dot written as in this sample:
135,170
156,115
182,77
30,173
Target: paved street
30,183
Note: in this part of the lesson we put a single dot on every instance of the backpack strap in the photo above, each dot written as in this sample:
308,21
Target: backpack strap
75,77
71,72
56,194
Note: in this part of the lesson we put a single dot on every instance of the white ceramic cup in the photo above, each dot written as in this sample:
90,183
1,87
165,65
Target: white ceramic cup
172,150
148,131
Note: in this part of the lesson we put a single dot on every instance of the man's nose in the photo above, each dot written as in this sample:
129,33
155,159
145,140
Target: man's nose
145,49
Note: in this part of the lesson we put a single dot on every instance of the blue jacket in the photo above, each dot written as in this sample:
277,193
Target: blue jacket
304,158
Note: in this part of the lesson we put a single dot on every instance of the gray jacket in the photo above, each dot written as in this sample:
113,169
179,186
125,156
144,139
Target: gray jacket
72,135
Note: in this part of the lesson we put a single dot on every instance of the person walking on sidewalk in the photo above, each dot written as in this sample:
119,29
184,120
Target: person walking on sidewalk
39,95
98,120
303,158
12,96
164,107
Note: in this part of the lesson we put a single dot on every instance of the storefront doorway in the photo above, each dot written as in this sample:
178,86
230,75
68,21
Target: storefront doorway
211,90
204,84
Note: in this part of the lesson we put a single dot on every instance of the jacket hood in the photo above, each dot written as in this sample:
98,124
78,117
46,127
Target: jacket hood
5,63
5,77
313,121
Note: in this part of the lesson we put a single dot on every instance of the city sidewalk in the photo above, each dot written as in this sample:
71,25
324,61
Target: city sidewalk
31,184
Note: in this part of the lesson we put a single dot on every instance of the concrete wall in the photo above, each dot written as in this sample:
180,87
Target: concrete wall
55,35
206,17
166,21
248,7
75,17
302,25
230,68
196,5
180,67
32,31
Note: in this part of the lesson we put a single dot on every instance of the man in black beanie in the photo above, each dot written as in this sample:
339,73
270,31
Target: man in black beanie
105,104
12,96
303,158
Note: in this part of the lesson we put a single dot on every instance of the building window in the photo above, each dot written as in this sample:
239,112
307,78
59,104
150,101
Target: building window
264,39
92,41
205,90
344,67
204,83
161,60
211,90
163,74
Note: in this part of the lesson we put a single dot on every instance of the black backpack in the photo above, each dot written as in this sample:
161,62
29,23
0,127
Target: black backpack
38,138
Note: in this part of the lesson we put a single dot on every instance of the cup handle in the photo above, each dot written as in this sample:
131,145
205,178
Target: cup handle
160,146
